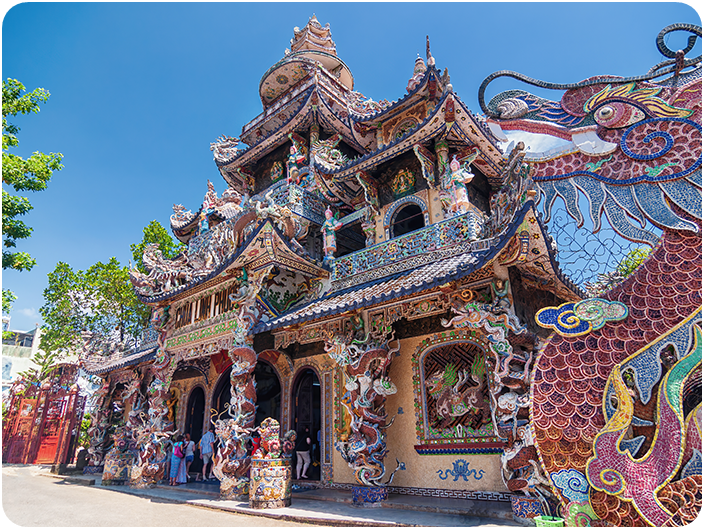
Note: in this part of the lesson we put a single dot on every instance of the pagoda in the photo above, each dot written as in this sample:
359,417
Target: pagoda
371,273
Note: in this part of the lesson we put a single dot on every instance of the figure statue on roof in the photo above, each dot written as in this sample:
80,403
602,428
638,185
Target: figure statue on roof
210,201
459,176
329,227
203,224
292,165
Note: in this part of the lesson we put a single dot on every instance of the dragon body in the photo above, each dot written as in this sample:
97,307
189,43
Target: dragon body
365,367
612,405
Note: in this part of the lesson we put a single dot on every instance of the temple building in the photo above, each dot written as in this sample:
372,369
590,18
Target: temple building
372,271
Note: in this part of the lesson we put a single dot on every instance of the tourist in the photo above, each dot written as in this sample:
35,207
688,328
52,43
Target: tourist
189,448
178,466
303,453
206,452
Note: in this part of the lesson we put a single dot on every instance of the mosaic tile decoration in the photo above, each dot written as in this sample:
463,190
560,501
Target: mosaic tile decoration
434,237
588,414
458,345
437,493
571,373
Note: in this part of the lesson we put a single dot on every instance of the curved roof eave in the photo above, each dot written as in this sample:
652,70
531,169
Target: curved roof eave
397,104
272,138
191,223
220,269
402,144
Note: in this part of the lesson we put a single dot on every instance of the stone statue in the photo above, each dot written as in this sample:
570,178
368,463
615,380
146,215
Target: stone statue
329,227
459,176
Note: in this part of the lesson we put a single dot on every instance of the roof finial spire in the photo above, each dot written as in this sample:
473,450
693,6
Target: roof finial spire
428,56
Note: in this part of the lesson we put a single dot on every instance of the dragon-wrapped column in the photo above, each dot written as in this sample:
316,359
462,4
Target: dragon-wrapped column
153,431
99,426
121,457
508,379
362,443
231,464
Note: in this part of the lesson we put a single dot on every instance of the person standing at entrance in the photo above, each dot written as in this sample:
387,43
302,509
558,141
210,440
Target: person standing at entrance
189,447
178,467
303,453
206,452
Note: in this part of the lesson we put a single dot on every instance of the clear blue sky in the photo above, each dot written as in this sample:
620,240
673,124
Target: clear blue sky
138,92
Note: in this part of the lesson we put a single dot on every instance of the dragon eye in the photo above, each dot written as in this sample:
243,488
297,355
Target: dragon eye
606,112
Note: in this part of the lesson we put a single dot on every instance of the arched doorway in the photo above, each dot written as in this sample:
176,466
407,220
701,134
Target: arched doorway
306,412
195,415
268,393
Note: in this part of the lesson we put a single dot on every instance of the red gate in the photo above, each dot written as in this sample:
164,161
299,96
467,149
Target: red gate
43,423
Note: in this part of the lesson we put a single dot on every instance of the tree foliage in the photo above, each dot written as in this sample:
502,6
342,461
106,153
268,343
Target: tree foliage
624,268
20,175
31,174
155,233
46,363
99,300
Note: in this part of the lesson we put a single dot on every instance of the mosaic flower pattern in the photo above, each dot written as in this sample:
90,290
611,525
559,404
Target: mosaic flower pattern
577,319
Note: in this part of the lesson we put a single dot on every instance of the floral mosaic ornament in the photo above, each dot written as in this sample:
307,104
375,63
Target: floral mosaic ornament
578,319
460,469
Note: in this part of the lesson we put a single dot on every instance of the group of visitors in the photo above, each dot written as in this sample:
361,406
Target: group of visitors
183,453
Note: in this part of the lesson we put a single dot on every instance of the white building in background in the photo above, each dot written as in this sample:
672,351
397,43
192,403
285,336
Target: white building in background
17,353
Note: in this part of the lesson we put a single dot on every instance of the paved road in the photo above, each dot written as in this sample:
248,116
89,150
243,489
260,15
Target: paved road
31,500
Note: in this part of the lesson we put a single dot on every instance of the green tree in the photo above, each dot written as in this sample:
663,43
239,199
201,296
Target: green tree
46,363
624,268
20,175
155,233
99,300
8,297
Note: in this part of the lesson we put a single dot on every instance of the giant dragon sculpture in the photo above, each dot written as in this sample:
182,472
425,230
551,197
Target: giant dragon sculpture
365,365
616,402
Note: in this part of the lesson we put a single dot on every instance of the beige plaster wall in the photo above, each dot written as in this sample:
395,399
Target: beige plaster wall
421,470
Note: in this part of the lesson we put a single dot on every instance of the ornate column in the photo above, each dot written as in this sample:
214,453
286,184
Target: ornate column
99,424
362,442
152,432
508,377
231,463
120,459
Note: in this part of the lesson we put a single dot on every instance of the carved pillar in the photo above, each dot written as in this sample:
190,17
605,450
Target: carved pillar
232,463
152,432
362,442
379,136
509,386
100,422
121,457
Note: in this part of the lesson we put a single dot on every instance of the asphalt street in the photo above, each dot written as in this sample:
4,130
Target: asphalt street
31,500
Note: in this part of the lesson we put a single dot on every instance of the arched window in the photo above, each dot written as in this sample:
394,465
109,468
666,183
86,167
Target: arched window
409,218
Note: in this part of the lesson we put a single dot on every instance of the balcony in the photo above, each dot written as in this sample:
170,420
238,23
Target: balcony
444,239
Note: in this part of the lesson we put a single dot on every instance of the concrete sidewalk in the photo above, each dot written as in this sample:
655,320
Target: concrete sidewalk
331,506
